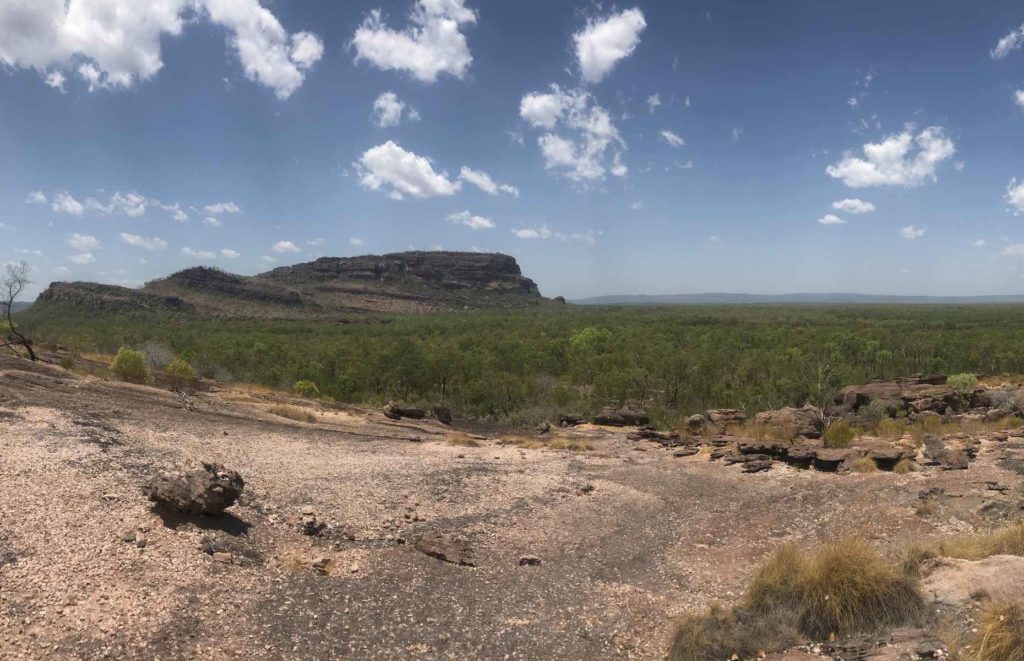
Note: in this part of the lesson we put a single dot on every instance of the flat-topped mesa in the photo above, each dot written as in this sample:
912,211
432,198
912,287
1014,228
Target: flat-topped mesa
221,283
491,272
111,298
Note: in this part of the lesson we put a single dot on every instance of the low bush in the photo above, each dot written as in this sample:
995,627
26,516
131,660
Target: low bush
728,634
839,435
292,413
306,389
904,466
67,362
863,465
130,366
180,374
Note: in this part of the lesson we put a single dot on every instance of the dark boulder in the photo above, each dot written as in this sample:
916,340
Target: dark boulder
570,420
723,417
448,548
806,421
621,417
209,490
396,412
443,414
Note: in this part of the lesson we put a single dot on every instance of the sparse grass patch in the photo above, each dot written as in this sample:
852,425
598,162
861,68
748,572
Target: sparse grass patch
890,429
541,442
762,432
1000,633
904,466
292,413
1005,541
462,440
863,465
721,634
839,435
925,508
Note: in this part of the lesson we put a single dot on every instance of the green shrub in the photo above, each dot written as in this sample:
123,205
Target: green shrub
839,435
131,366
306,389
180,374
963,385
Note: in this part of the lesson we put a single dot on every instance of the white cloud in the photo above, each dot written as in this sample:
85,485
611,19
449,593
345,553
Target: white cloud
387,110
603,42
211,221
1018,98
83,258
471,221
155,243
431,45
222,207
230,254
35,197
890,162
402,173
737,131
1015,196
115,43
831,219
82,242
911,232
56,80
1008,44
541,232
854,206
544,232
62,270
483,181
1014,250
672,139
637,206
580,151
284,246
356,241
653,101
197,254
979,243
65,203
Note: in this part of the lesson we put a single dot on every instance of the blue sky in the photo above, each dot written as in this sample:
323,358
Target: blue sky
648,147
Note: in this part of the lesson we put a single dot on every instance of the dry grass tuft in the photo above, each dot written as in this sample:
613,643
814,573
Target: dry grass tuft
1007,541
844,588
464,441
292,413
904,466
925,508
1000,633
839,435
724,634
761,432
863,465
553,443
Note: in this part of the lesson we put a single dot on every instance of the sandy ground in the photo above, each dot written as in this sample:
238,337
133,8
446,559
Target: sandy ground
629,536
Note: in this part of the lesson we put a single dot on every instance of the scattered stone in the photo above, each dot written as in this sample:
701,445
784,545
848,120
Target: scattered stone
995,486
806,421
621,417
695,422
109,497
447,548
395,412
529,561
723,417
309,525
544,428
686,452
223,557
569,420
667,439
207,491
140,539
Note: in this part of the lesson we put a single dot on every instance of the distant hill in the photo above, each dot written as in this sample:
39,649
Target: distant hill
325,288
19,306
754,299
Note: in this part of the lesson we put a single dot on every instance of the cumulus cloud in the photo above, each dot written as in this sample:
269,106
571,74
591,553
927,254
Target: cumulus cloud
82,242
432,44
356,241
979,243
541,232
605,41
580,134
197,254
471,221
912,232
284,246
1015,196
155,243
66,203
387,110
115,43
483,181
672,139
1008,44
1018,98
831,219
853,205
228,253
544,232
35,197
222,207
82,258
892,163
402,173
211,221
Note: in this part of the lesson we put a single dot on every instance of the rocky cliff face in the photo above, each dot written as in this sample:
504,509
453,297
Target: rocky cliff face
451,271
109,298
215,282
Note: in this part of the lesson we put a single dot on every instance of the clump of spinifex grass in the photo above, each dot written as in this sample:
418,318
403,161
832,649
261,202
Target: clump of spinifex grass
1006,541
845,588
1000,634
292,413
542,442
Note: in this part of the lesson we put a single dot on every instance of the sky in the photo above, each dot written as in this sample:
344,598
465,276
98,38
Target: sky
655,147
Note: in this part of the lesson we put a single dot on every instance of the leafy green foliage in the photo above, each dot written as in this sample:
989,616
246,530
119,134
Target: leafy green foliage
130,366
526,364
304,388
962,384
180,374
839,435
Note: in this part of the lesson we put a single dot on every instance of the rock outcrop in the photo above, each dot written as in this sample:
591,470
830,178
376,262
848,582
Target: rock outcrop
93,297
806,421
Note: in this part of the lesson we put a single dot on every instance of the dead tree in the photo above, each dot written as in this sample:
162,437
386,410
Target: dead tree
11,287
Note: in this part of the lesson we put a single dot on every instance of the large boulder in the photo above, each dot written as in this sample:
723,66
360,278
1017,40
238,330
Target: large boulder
395,412
927,392
956,583
622,417
209,490
806,421
723,417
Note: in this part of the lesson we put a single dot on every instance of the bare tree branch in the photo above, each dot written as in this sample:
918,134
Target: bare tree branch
11,287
